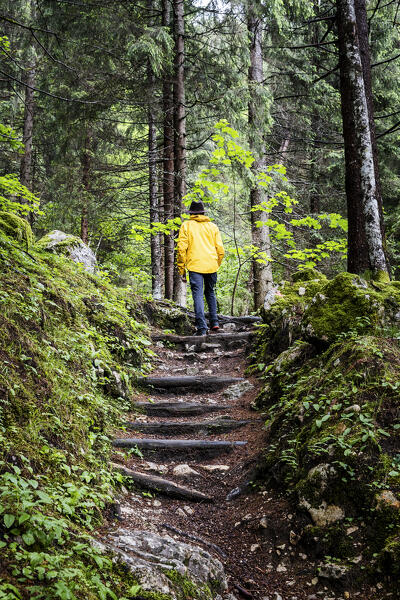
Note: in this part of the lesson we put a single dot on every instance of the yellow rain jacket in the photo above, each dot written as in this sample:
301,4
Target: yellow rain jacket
200,246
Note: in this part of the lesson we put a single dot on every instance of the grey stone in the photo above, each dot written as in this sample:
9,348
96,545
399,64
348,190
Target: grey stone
184,471
71,246
233,392
325,514
332,571
148,555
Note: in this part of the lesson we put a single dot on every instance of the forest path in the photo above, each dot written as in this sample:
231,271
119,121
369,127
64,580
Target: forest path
195,438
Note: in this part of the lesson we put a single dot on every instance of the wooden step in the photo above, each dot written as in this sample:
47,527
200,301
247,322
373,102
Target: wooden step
198,382
220,338
157,444
177,427
182,409
165,486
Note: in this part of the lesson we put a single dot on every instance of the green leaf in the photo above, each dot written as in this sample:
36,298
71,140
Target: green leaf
8,520
28,538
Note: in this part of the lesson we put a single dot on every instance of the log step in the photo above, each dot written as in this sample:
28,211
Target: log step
199,382
239,336
182,409
174,427
158,484
157,444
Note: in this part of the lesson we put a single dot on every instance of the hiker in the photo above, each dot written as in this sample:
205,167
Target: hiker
200,251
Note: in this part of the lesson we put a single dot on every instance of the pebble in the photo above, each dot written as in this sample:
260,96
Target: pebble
314,580
181,512
184,471
254,547
281,569
277,596
264,523
156,503
312,597
212,468
188,510
303,556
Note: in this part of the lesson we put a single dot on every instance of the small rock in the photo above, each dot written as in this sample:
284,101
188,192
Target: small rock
277,596
303,556
325,514
263,523
281,569
184,471
351,530
357,559
188,510
332,571
212,468
302,291
233,392
229,327
293,538
151,466
156,503
181,512
282,546
355,408
314,580
346,595
254,547
386,499
312,597
192,370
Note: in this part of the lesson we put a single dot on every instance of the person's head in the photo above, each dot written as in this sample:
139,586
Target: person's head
196,208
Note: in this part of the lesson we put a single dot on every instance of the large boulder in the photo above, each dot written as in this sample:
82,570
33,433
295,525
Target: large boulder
61,243
16,228
349,303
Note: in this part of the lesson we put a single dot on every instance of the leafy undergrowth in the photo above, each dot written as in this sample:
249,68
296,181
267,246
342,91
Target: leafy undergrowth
333,422
69,349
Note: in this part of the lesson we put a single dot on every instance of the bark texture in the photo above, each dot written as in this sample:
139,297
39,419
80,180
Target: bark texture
85,165
168,165
29,112
366,241
180,131
262,272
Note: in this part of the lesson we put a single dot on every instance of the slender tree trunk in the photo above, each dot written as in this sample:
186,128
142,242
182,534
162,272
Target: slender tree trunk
363,34
85,165
262,273
168,165
29,113
180,130
155,241
366,241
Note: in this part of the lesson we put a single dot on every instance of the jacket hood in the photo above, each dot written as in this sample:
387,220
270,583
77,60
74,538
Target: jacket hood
200,218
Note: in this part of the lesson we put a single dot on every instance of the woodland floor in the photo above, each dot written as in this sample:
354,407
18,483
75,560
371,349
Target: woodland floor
257,532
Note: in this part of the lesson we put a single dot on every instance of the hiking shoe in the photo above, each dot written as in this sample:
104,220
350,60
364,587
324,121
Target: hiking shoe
214,328
201,332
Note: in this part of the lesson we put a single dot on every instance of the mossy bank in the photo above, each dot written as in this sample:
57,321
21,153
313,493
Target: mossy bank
71,346
329,352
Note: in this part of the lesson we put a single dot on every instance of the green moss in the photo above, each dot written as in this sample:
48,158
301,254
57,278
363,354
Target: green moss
308,275
48,243
16,228
348,303
186,589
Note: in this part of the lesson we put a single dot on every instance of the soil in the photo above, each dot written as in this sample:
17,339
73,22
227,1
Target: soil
255,534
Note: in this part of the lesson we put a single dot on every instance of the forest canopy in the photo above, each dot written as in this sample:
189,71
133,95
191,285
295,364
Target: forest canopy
115,115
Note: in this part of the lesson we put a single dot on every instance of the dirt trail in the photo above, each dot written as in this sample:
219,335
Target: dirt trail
250,529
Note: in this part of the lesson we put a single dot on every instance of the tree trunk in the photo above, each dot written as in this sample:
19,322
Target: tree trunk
85,164
366,242
363,32
262,273
29,112
155,240
180,131
168,166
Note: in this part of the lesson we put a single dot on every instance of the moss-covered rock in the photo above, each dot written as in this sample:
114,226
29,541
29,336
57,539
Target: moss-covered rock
16,228
308,275
349,303
71,246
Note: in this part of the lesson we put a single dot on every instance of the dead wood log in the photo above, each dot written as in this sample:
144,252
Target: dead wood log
237,336
167,409
157,444
158,484
198,382
173,427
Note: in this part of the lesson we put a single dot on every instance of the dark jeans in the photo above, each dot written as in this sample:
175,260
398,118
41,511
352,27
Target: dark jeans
197,280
